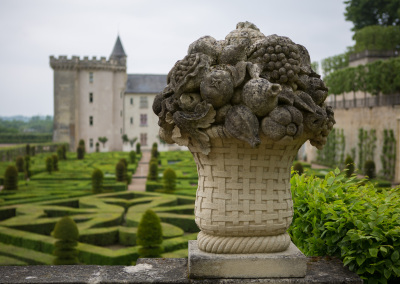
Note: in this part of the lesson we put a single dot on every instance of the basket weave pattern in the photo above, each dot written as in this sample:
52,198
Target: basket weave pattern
244,192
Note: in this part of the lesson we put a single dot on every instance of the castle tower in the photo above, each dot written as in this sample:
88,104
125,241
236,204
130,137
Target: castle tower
88,99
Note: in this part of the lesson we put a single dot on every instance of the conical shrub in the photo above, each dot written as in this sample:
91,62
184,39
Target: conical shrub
149,235
369,169
55,162
19,162
49,164
120,171
97,181
169,178
138,151
153,171
67,234
132,157
11,178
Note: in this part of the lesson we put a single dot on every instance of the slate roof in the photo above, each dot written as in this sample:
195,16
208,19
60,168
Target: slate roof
118,50
145,83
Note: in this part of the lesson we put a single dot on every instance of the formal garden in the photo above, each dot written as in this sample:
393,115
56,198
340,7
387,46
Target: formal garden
335,215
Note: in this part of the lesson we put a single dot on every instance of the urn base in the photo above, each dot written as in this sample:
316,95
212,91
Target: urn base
242,245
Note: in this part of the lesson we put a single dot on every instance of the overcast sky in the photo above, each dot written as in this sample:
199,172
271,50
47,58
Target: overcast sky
155,34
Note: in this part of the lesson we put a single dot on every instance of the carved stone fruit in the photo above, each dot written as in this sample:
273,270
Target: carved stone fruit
261,96
217,88
242,124
188,101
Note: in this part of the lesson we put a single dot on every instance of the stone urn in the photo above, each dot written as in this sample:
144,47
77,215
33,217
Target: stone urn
244,106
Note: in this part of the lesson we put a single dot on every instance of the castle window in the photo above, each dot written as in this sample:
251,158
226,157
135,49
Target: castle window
143,102
90,77
131,101
143,120
90,120
143,139
90,97
131,120
91,143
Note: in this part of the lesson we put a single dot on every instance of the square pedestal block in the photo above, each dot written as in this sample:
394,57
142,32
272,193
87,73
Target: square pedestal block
286,264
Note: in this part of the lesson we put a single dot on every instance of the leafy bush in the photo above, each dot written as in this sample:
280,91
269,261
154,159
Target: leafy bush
19,162
67,234
97,147
49,165
149,235
138,151
55,162
298,167
169,177
97,181
120,171
369,169
349,166
11,178
153,171
132,157
82,144
352,220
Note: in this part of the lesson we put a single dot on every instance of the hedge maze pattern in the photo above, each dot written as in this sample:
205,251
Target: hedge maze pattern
107,226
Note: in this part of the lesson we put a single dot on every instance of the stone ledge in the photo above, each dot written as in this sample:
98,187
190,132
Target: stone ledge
162,270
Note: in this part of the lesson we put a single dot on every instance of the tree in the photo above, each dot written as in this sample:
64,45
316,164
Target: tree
103,140
132,141
149,235
11,178
97,181
125,139
49,164
67,234
169,178
372,12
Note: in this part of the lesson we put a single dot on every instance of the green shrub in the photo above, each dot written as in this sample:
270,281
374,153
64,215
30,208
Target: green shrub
27,166
80,152
33,151
138,151
153,171
169,177
120,171
149,235
11,178
67,234
20,164
369,169
64,151
298,167
97,181
154,151
82,144
132,157
49,164
27,149
352,220
60,153
349,166
55,162
97,147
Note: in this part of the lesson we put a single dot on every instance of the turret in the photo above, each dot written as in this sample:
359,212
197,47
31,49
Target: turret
118,54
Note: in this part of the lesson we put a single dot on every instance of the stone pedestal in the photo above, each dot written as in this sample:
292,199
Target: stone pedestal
286,264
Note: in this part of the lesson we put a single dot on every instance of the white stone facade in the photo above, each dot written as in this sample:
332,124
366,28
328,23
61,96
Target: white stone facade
97,98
